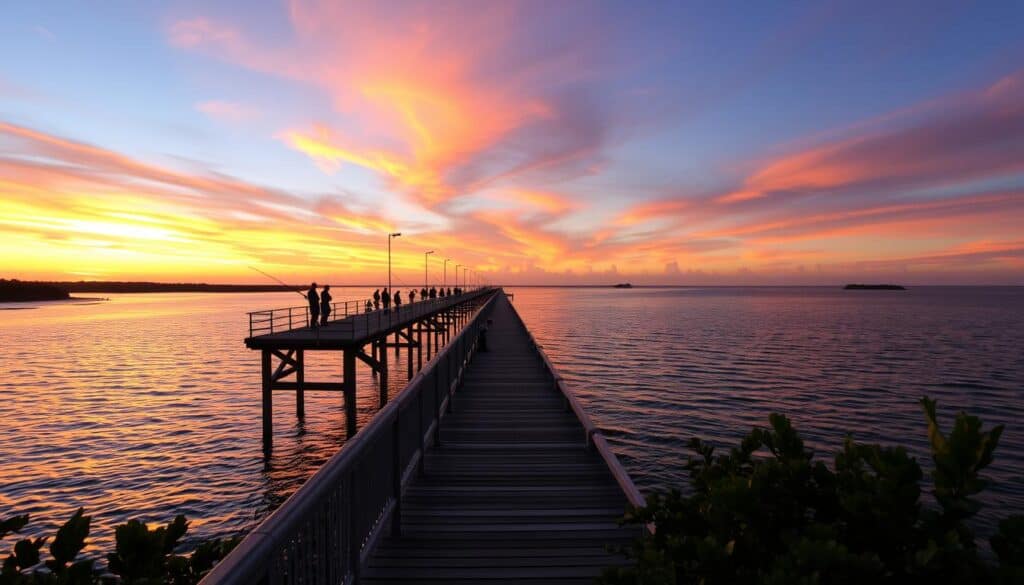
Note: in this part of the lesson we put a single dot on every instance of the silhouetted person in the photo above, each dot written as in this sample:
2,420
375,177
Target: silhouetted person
385,299
369,306
412,296
440,293
376,299
314,305
483,335
433,292
449,291
398,299
325,304
423,294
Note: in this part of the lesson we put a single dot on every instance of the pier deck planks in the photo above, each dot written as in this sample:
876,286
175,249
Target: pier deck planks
511,495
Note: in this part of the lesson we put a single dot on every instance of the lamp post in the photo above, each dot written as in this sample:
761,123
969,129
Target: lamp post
391,236
444,282
457,266
426,273
464,269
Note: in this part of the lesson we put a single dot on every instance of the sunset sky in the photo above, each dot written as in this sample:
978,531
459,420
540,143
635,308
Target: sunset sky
537,142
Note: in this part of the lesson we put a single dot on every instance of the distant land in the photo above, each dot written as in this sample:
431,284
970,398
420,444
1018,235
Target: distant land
874,287
17,291
95,286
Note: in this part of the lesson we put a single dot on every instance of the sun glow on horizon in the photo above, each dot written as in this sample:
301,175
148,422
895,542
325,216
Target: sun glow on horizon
536,144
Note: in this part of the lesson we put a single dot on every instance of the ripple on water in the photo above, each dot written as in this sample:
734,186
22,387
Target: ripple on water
149,405
714,362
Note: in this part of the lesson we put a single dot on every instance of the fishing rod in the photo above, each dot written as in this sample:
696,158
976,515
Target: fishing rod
279,281
289,287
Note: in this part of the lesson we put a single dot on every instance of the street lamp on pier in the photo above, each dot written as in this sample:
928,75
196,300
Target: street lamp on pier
426,273
391,236
444,282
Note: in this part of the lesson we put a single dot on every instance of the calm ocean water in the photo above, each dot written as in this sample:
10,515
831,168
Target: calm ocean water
148,405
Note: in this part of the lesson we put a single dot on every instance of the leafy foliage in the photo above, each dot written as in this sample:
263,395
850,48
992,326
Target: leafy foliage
767,512
142,556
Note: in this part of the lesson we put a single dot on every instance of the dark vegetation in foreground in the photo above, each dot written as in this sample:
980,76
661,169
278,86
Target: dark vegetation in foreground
141,556
17,291
767,513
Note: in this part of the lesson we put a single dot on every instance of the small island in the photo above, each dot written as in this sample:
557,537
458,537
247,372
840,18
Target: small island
873,287
17,291
623,285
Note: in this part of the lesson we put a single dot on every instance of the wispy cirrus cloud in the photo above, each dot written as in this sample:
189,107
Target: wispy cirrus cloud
928,169
438,107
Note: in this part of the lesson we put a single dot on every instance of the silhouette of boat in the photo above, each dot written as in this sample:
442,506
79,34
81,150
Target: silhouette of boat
623,285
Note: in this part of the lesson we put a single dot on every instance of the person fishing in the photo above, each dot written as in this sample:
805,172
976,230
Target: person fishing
314,306
376,299
325,304
385,299
369,306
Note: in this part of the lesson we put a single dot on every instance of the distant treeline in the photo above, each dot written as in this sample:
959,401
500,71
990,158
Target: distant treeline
86,286
20,291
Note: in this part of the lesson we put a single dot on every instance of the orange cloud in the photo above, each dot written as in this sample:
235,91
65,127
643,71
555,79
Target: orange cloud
981,136
438,107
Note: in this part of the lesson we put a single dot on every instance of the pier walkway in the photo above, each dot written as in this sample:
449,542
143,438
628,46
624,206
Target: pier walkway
511,495
485,468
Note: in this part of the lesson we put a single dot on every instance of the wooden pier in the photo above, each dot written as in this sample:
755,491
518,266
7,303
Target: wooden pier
284,338
511,494
484,469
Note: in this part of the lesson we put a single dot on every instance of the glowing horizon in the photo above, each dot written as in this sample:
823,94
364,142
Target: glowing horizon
566,144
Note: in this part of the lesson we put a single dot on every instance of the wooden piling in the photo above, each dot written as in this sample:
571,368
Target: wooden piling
349,390
268,404
300,384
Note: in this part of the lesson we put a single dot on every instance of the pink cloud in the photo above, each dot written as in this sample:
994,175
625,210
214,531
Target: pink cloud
438,107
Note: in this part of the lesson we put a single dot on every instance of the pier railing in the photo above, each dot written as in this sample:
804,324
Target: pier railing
267,321
324,531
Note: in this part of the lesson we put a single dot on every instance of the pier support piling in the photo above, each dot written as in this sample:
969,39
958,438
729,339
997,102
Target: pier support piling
300,384
268,404
349,390
383,353
408,351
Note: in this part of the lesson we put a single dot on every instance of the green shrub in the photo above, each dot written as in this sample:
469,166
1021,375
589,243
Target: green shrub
768,513
141,556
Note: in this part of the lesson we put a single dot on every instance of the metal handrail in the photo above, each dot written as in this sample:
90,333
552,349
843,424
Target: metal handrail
323,532
267,321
